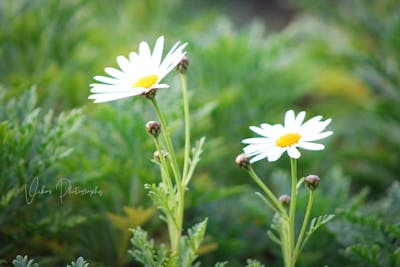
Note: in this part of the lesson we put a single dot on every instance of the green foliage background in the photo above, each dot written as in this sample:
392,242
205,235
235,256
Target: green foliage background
335,58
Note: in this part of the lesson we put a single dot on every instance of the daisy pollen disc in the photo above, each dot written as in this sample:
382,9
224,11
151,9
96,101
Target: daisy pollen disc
146,82
288,139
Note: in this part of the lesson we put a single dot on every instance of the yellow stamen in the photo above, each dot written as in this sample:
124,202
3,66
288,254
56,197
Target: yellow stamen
146,82
288,139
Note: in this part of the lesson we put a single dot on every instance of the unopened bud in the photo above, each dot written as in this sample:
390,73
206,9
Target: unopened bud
156,156
285,200
183,64
312,182
153,128
243,161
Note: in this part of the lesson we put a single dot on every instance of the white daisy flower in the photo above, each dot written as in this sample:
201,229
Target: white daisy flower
139,74
276,139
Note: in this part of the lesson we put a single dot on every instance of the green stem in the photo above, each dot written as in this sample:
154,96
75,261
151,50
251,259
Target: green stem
187,128
292,211
178,180
271,196
168,142
303,227
166,178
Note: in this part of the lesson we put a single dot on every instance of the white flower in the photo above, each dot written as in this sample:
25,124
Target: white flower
276,139
139,74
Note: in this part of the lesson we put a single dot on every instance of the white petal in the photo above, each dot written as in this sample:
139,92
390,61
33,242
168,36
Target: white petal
259,157
256,148
144,51
99,98
310,146
114,73
314,126
124,64
157,51
106,88
289,120
172,59
258,130
108,80
275,154
133,58
299,119
315,137
293,152
160,86
256,140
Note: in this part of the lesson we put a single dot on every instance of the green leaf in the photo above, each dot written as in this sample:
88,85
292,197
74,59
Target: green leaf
145,251
254,263
80,262
191,243
20,261
196,153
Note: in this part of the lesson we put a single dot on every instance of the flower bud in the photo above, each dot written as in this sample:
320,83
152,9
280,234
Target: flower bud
285,200
153,128
183,65
312,182
156,156
243,161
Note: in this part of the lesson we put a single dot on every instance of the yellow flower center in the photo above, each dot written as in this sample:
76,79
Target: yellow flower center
146,82
288,139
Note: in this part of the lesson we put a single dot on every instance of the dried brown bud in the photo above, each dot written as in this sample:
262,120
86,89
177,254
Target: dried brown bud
243,161
312,182
153,128
183,65
285,200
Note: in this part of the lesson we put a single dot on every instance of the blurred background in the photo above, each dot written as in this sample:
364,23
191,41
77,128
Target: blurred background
250,61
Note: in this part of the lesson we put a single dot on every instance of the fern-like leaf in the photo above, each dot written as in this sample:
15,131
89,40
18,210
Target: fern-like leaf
20,261
191,243
316,223
196,153
80,262
254,263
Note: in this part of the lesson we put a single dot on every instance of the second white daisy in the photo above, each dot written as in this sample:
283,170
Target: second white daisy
140,74
276,139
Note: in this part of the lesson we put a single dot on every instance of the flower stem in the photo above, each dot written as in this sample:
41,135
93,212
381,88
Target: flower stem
187,128
175,240
292,212
271,196
166,178
303,227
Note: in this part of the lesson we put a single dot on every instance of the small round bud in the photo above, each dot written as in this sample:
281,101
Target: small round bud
183,65
153,128
312,182
243,161
285,200
156,156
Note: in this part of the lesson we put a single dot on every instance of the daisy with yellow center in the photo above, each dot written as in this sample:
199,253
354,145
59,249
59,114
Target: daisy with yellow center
139,74
276,139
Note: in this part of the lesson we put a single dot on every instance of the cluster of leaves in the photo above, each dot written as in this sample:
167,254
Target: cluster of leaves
371,233
20,261
32,145
146,253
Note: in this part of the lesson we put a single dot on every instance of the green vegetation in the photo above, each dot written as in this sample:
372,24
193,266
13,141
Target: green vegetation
341,60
